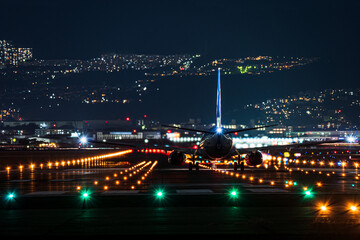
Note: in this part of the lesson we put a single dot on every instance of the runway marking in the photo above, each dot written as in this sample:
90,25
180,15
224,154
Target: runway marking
20,181
46,193
120,192
266,190
62,180
194,191
77,173
247,185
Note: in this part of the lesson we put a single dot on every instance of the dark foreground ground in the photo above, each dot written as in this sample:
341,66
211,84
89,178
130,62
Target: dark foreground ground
50,202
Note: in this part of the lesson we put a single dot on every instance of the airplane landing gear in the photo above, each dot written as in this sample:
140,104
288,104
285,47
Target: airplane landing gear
235,166
193,162
196,165
242,166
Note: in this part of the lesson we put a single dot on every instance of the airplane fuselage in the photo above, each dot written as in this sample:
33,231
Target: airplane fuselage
217,146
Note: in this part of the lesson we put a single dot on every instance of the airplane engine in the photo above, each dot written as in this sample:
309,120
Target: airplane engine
254,158
177,158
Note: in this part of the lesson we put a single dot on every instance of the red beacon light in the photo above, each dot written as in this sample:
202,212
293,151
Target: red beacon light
127,119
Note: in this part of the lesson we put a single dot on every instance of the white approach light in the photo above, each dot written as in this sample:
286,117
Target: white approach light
83,140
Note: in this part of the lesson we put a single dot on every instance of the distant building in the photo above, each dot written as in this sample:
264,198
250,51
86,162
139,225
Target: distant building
9,54
100,136
43,132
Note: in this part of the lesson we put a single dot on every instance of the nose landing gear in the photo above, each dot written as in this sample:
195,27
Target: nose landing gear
193,162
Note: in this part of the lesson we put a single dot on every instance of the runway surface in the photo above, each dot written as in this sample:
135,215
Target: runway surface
130,194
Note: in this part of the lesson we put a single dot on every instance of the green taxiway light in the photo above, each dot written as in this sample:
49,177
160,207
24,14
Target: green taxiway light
11,196
234,193
308,193
159,194
85,195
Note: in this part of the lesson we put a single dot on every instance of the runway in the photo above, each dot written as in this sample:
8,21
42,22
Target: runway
143,194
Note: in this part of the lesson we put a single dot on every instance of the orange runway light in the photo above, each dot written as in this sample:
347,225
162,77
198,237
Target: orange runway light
353,208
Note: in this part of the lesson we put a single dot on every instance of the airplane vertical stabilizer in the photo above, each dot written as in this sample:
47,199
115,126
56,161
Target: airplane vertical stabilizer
218,102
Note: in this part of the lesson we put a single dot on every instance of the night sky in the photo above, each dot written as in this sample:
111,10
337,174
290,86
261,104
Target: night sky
85,29
81,29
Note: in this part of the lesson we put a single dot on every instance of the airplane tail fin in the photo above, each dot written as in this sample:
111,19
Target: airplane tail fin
218,102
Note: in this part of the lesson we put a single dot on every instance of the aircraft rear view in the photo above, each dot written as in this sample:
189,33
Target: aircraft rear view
216,143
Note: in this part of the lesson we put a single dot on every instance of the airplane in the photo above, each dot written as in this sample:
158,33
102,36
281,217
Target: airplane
216,144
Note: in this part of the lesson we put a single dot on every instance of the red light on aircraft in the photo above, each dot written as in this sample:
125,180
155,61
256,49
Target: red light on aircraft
134,131
168,131
127,119
236,133
145,116
195,147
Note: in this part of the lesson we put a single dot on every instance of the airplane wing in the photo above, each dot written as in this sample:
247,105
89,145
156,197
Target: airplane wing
225,131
